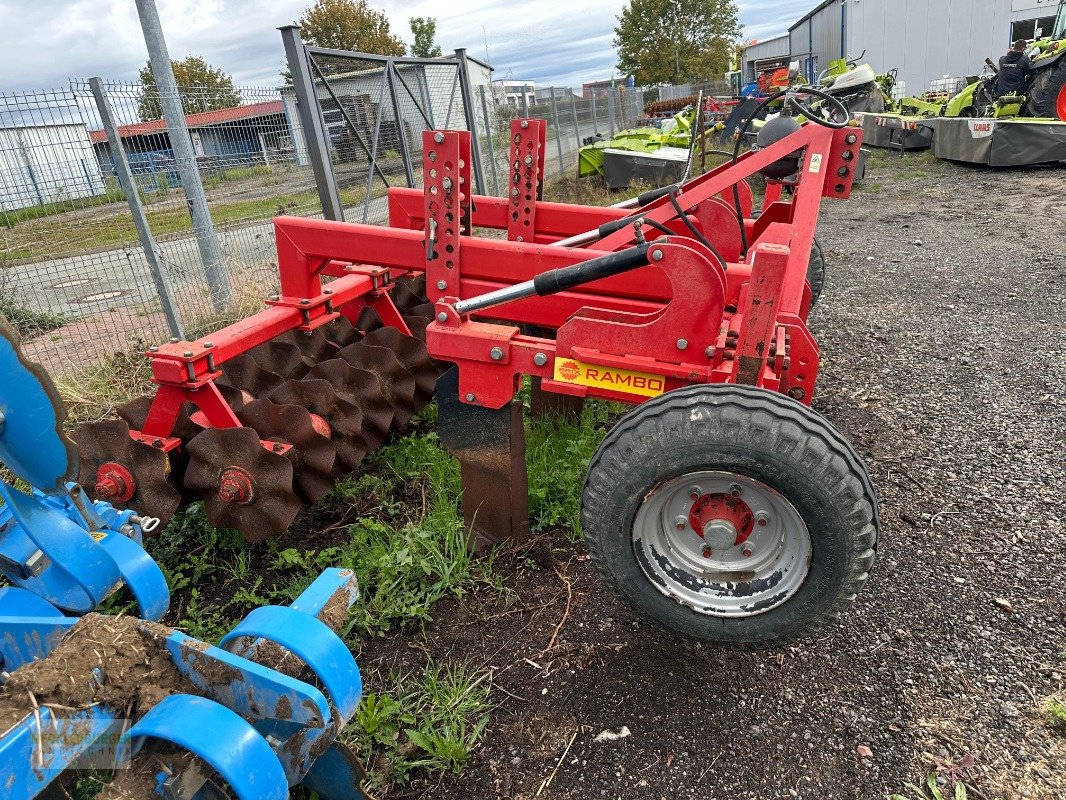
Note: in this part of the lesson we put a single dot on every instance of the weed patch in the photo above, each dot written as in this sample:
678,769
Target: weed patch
430,721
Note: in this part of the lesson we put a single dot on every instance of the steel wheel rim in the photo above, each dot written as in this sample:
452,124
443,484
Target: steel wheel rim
727,583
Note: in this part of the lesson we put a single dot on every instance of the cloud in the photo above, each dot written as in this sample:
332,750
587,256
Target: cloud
566,42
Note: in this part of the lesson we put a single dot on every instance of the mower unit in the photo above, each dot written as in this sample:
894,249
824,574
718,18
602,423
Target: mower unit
173,716
721,507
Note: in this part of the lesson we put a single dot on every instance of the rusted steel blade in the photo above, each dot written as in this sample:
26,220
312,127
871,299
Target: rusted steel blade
312,453
405,295
125,472
283,358
340,333
243,485
344,418
415,358
418,319
397,384
244,373
363,389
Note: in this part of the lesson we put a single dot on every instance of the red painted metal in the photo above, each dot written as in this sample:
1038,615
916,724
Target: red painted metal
685,318
722,506
115,482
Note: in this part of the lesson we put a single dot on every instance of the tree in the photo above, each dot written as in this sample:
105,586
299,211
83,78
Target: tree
425,31
201,87
675,41
349,25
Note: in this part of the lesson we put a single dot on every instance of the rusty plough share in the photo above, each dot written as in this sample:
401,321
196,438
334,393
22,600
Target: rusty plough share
721,506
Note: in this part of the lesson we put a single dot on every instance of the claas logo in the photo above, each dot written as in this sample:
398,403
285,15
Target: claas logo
570,370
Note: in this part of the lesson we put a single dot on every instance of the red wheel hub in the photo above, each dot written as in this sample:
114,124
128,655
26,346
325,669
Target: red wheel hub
115,482
1060,104
235,485
722,506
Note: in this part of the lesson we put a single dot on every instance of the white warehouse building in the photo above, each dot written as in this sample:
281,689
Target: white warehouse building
42,164
925,40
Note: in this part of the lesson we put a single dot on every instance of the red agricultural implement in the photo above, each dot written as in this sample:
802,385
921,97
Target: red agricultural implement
721,506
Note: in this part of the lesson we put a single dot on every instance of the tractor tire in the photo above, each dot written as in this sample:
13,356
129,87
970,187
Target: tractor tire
1047,93
730,459
816,272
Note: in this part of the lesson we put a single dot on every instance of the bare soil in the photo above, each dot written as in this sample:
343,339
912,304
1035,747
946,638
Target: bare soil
944,364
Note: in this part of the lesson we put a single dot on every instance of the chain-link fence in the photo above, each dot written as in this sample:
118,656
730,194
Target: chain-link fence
80,280
75,277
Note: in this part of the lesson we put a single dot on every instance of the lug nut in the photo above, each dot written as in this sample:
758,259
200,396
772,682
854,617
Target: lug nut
746,552
707,552
694,492
680,523
762,518
735,490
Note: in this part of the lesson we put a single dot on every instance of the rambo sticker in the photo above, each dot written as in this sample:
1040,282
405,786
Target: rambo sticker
567,370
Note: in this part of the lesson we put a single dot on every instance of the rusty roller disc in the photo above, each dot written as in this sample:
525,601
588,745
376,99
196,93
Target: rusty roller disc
343,417
418,319
363,389
405,295
415,358
243,485
282,358
397,384
340,333
315,345
244,373
124,472
367,321
135,414
312,453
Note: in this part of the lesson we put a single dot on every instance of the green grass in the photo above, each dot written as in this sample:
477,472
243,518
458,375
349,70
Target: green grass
932,791
557,455
424,721
29,322
58,236
1054,713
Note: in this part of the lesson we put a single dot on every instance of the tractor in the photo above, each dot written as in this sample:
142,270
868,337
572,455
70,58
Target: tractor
1045,93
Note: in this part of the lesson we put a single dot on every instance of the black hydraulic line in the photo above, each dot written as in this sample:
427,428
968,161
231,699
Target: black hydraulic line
695,231
559,280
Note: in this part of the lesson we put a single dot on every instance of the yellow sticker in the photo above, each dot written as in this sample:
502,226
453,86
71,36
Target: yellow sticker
567,370
98,536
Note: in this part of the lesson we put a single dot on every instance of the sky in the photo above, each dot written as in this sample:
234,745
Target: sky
43,43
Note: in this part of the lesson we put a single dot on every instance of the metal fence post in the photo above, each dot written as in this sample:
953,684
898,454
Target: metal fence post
311,121
525,103
491,134
405,150
184,157
595,122
471,120
140,219
573,114
610,110
558,132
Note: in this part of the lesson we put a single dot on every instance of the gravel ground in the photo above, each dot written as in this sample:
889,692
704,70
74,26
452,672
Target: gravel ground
943,362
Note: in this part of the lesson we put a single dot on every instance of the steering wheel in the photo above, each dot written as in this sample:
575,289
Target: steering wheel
839,115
